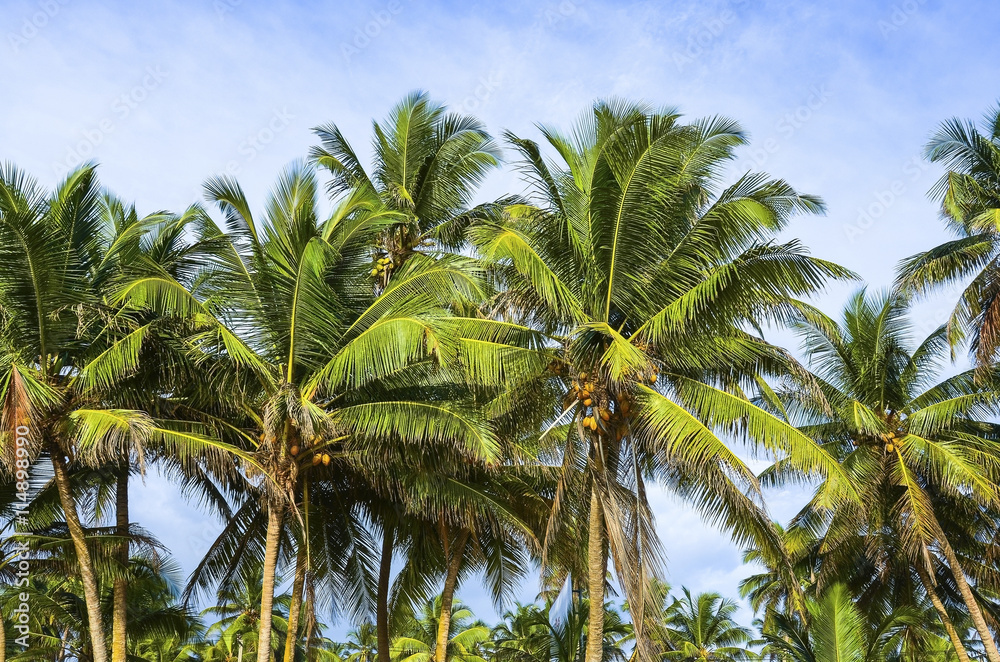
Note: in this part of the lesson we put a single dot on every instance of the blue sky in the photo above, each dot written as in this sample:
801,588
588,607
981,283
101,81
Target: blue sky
838,97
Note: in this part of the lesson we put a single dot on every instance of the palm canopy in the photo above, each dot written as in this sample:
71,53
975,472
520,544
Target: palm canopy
839,632
701,629
428,165
70,354
630,264
318,363
969,193
467,639
910,442
299,335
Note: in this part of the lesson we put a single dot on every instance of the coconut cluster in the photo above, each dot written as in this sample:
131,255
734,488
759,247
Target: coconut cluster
382,266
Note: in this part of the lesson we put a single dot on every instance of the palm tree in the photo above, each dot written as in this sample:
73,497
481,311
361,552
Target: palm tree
629,278
317,364
702,629
64,253
467,638
785,579
914,448
427,166
839,632
970,202
362,644
238,616
531,633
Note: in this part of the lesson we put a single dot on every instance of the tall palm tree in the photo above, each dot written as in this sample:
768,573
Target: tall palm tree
701,629
316,363
912,446
428,164
630,276
64,253
970,203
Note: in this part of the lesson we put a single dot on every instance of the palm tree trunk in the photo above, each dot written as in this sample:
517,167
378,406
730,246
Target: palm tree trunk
88,577
448,595
382,596
119,618
291,638
956,641
275,516
989,644
310,619
3,640
596,571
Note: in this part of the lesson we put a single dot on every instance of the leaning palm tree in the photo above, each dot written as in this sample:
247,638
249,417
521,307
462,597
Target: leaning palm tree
317,364
970,203
912,446
631,277
701,629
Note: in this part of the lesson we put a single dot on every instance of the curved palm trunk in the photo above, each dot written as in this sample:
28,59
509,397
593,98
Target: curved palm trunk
275,515
382,595
989,644
91,591
956,641
596,571
448,595
291,638
119,618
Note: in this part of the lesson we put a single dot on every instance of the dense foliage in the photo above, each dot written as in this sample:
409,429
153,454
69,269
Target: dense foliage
415,392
